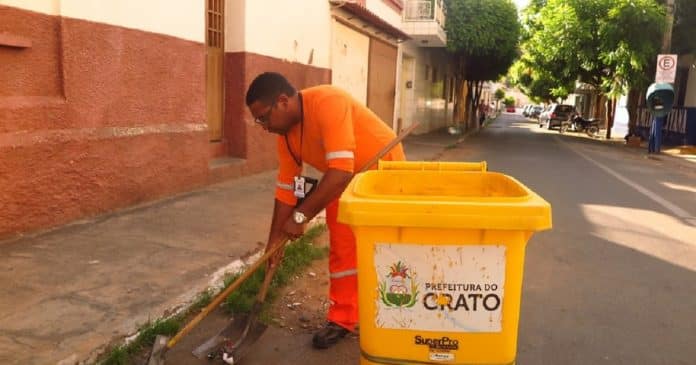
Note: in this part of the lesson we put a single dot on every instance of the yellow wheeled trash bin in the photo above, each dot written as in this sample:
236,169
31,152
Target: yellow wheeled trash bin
440,261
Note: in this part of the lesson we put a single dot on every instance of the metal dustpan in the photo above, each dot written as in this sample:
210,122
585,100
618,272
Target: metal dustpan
163,344
227,337
238,336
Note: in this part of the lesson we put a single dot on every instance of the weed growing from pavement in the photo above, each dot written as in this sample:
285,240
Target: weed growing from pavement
298,255
122,355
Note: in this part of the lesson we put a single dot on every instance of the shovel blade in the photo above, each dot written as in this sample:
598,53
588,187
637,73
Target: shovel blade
231,333
246,344
158,350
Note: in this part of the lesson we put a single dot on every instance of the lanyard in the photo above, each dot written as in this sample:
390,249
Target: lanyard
297,158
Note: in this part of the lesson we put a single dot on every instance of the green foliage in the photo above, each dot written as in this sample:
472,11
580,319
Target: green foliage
484,34
631,35
122,355
297,255
499,94
683,40
509,101
605,43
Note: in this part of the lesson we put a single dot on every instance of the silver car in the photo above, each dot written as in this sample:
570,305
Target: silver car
555,114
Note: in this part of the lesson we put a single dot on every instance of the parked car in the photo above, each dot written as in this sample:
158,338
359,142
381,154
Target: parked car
535,111
510,109
555,114
527,109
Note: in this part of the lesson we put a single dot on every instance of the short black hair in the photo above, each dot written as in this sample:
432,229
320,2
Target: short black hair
267,86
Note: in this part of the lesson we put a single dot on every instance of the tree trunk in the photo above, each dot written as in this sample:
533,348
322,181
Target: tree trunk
632,109
460,103
597,106
458,111
467,111
611,104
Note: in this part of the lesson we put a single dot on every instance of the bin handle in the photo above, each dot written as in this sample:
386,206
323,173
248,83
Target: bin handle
433,165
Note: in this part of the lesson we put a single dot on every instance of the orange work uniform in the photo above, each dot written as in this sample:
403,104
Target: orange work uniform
336,132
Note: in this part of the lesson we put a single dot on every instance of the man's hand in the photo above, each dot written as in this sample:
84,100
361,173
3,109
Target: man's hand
292,229
278,256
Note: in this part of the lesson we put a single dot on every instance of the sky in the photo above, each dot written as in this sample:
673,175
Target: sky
520,4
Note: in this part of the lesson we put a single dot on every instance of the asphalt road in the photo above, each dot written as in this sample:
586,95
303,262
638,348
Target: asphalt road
614,281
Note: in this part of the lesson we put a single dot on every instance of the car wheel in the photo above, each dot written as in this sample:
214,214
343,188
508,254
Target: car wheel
548,124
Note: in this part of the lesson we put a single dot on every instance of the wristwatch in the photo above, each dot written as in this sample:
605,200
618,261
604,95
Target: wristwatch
299,217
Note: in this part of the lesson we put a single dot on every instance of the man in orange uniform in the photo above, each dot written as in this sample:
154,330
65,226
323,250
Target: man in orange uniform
328,129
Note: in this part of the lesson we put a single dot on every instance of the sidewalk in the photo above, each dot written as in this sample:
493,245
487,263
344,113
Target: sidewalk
684,157
66,293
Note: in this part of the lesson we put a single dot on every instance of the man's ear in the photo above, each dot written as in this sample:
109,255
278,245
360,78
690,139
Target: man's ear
283,99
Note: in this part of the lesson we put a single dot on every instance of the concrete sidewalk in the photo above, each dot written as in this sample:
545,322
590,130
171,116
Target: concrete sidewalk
66,293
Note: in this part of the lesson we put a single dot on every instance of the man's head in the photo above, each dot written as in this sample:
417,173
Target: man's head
272,101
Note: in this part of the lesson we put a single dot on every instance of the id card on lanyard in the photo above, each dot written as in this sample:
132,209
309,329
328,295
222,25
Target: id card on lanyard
299,190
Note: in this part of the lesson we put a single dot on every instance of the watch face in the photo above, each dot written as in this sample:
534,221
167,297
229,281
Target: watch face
299,217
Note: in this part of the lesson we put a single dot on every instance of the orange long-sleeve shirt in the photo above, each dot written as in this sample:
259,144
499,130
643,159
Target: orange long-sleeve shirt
336,132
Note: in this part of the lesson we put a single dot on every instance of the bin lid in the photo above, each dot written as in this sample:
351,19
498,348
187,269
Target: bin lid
445,199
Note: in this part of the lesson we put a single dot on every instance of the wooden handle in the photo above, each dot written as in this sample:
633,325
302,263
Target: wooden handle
389,147
220,297
271,271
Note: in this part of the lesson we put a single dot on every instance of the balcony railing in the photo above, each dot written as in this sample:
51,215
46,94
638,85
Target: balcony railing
424,10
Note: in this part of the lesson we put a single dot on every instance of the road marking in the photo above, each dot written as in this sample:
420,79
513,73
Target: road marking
677,211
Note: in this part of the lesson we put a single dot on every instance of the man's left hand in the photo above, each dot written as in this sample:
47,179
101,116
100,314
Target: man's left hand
293,230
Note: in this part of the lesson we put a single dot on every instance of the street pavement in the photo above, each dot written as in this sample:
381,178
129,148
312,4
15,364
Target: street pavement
611,283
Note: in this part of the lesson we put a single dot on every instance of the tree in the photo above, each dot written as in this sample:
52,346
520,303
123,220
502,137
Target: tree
604,43
683,40
482,35
498,96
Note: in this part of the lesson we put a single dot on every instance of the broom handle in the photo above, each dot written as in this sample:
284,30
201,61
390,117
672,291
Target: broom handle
387,148
220,297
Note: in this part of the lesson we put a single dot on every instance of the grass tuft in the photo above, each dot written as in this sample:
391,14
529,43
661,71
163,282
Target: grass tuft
298,255
122,355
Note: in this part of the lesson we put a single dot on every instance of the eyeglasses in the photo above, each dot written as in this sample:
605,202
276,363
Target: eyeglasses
263,120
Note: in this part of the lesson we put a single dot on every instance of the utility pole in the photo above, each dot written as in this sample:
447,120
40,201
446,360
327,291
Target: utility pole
655,140
669,20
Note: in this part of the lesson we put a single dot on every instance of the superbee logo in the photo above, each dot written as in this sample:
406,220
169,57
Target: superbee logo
399,287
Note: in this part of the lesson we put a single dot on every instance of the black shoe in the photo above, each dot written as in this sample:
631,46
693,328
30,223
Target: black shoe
328,336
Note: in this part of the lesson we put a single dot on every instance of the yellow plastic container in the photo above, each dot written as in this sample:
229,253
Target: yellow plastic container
432,165
440,262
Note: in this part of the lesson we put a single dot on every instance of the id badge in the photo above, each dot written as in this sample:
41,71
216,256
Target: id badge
299,187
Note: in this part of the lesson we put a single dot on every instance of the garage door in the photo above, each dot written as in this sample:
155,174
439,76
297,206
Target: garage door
349,57
381,83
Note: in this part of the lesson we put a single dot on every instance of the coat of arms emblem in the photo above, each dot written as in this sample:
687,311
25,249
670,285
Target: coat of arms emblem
399,287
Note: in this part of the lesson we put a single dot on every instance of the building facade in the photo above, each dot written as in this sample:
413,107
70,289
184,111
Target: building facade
101,107
104,105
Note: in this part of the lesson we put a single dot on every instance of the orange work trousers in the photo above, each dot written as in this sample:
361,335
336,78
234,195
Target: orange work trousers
343,274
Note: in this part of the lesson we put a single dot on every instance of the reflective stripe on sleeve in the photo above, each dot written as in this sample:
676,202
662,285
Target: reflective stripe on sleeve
341,274
285,186
340,154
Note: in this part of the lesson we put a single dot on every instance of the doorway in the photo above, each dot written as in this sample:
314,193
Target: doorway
215,53
381,80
